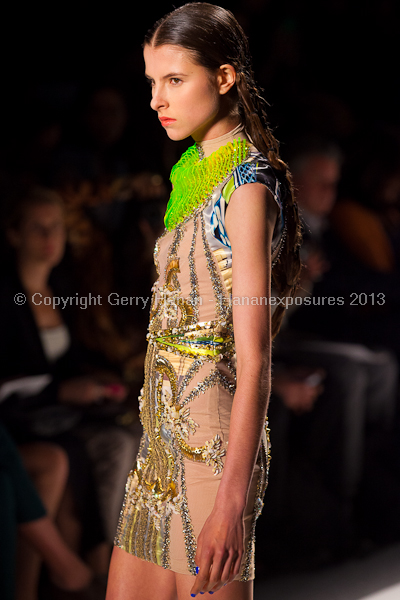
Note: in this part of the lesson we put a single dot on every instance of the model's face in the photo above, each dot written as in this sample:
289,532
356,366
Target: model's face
186,96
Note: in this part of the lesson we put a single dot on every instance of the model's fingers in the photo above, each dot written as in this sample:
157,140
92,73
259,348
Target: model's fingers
220,557
200,585
204,565
197,557
227,572
236,566
221,572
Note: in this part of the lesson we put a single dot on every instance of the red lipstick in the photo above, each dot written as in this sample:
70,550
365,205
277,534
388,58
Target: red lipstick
165,121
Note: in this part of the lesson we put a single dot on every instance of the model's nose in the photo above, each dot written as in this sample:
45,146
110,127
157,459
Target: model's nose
157,101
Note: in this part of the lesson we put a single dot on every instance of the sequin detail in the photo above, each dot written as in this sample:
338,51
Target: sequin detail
190,361
194,178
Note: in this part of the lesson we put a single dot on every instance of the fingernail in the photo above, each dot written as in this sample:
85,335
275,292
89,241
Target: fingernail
197,570
193,595
210,592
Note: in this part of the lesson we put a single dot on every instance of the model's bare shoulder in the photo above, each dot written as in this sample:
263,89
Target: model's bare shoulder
251,213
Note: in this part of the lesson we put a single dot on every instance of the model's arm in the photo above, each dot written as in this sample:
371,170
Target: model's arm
250,221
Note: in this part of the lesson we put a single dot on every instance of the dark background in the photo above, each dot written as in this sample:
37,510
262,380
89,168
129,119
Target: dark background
329,66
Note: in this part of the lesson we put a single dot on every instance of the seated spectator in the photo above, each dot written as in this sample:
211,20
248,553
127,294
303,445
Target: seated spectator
23,510
297,387
48,467
37,338
366,220
360,383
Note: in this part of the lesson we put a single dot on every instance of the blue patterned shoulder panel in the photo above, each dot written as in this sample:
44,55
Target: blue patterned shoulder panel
256,169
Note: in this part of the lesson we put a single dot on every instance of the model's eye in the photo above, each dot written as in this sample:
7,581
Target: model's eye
150,81
175,80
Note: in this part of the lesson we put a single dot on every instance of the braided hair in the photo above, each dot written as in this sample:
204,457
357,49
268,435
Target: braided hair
213,37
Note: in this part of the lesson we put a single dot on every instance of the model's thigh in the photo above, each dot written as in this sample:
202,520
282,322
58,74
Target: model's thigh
131,578
237,590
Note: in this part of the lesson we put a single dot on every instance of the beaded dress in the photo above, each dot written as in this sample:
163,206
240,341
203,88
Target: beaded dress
190,373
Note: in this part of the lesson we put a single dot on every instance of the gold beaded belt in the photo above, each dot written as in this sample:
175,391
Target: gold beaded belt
201,341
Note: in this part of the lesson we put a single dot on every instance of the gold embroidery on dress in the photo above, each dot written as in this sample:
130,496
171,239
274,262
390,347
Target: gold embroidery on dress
156,488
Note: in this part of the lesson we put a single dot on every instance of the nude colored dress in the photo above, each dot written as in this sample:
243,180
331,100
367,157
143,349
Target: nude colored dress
189,386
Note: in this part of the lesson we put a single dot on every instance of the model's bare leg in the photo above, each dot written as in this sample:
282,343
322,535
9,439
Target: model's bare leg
47,465
237,590
131,578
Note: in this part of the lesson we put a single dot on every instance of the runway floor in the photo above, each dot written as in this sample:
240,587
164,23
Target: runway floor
375,577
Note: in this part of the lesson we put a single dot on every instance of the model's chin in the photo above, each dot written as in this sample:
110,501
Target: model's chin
175,135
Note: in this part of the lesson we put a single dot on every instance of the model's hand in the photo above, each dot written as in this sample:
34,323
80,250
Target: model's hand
219,550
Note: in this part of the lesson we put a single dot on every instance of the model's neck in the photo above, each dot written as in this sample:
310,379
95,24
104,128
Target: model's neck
210,146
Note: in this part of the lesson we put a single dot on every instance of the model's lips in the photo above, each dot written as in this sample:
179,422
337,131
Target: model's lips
166,121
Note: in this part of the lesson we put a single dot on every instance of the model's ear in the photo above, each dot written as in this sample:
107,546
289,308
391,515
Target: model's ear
226,78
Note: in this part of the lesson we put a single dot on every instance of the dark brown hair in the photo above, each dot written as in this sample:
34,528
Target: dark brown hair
213,37
35,196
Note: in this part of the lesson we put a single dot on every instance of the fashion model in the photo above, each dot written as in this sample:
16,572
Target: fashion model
188,519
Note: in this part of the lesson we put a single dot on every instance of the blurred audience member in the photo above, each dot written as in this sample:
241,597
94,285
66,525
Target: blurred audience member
133,247
297,387
367,222
48,466
69,407
367,218
95,147
98,173
23,511
360,386
116,263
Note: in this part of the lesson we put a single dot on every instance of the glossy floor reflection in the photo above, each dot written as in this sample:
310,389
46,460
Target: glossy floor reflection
375,577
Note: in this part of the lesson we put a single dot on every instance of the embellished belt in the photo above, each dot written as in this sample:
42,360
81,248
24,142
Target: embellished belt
200,340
